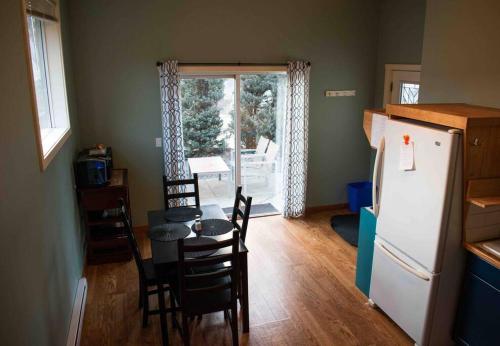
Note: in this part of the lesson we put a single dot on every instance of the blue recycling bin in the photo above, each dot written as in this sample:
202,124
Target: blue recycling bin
360,195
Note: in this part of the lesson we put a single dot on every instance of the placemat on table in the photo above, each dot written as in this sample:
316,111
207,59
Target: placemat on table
182,214
213,227
169,232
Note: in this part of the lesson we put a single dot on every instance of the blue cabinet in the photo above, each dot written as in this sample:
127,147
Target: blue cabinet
478,319
366,238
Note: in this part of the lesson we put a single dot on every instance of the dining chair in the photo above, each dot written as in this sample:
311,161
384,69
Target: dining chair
210,291
147,274
177,190
244,213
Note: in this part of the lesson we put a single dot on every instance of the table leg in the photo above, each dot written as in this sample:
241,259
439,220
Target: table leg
244,293
163,315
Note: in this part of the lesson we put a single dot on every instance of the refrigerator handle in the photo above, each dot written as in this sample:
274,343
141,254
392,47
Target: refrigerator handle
402,264
376,177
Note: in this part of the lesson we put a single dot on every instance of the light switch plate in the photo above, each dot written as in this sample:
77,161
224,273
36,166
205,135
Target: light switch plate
158,142
338,93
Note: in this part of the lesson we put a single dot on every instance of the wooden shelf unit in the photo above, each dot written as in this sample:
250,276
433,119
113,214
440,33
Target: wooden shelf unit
485,202
481,129
105,234
484,192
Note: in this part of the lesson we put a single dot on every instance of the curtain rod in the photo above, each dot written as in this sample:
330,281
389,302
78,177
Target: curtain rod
159,63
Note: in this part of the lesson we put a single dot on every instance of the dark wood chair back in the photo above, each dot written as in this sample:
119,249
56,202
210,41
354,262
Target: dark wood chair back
176,190
131,238
206,291
239,202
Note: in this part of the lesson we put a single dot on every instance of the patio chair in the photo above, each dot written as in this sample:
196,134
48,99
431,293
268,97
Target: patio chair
251,155
263,168
257,153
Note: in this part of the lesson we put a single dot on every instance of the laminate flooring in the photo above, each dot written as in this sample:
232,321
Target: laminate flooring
301,291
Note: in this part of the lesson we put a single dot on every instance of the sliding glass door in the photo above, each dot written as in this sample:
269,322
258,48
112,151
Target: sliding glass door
262,109
232,129
208,111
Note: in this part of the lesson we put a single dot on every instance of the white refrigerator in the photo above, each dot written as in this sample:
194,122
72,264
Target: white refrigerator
418,257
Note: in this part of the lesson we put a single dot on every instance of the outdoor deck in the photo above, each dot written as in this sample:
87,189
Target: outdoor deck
263,191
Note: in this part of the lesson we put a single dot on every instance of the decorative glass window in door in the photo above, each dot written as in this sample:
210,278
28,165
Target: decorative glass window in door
409,93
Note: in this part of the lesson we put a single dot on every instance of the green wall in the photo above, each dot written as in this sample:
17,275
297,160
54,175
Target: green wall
40,242
117,43
400,38
461,54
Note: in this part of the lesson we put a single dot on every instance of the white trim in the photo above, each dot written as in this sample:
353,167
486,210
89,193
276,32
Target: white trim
50,137
76,324
207,76
237,131
228,69
389,69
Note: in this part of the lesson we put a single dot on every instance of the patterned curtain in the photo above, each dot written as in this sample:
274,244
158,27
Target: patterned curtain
171,120
296,140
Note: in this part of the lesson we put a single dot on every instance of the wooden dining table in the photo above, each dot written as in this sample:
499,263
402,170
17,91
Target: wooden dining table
164,256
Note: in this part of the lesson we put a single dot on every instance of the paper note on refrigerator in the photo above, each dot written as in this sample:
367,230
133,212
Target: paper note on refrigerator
378,129
406,157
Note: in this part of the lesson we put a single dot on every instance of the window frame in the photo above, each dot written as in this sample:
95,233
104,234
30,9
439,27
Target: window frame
49,141
389,70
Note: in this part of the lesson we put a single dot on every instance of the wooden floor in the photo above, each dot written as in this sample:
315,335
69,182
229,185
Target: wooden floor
301,283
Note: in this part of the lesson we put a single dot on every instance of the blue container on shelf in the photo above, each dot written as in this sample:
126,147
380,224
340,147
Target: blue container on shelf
360,195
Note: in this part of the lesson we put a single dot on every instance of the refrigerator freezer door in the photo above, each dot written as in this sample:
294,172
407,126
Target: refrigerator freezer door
404,292
414,204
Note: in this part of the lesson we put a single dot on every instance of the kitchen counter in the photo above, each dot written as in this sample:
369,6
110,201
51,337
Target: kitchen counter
482,253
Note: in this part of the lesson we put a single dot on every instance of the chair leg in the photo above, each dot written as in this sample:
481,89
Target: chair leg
226,314
172,306
234,324
141,294
145,310
185,329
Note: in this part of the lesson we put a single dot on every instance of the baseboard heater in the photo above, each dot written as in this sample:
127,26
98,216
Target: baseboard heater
75,327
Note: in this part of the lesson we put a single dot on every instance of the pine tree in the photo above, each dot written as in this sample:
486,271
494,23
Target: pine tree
258,108
202,125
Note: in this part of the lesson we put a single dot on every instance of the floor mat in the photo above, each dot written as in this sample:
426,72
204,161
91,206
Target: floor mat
347,227
257,209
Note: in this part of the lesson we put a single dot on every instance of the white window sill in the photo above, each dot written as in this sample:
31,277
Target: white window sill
52,140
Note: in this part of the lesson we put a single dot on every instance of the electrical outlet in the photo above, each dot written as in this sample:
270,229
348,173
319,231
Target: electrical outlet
158,142
339,93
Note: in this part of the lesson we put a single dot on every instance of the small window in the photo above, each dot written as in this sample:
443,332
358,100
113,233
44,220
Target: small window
409,93
47,71
401,84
